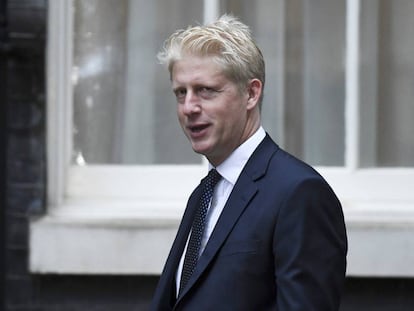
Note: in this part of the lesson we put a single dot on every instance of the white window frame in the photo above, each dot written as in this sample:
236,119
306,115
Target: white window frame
115,219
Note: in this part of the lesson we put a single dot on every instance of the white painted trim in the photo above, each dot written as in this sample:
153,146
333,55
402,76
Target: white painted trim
378,246
99,247
59,97
381,184
352,85
211,10
133,182
381,251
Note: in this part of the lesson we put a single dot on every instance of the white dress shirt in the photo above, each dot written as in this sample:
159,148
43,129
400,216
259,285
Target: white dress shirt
230,170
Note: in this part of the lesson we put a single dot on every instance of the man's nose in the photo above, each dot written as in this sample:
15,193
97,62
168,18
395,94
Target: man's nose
191,103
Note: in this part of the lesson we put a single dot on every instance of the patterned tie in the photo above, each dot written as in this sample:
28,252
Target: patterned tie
193,248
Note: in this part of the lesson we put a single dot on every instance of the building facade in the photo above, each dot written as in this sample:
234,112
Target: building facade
80,93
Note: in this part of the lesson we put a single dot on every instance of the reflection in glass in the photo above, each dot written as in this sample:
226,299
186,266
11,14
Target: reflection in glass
124,110
303,42
387,84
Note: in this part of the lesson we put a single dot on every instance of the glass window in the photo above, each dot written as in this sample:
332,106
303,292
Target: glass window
124,110
303,43
387,80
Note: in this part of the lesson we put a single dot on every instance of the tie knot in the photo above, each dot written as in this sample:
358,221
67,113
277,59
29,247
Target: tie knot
212,178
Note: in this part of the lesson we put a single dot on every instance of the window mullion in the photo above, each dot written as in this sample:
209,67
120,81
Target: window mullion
59,98
352,85
211,10
211,13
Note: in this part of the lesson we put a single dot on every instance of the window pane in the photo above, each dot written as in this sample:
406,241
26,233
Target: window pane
124,109
303,43
387,80
324,82
265,18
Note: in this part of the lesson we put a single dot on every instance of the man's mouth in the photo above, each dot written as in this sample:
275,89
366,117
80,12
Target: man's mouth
198,131
198,128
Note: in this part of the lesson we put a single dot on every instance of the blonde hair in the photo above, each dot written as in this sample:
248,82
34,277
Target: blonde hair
227,40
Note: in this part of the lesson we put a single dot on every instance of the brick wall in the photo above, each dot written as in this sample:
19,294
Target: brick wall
25,107
3,143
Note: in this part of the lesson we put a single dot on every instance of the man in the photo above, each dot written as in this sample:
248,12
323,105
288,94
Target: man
273,237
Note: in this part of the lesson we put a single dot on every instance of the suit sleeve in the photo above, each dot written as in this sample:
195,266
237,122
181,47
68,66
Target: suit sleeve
310,247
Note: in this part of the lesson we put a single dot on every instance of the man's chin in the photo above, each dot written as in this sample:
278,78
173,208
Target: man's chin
200,151
200,148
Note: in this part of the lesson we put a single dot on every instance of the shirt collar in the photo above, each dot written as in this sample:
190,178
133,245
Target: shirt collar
231,168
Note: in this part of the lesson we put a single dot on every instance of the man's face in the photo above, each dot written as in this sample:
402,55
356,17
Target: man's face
214,114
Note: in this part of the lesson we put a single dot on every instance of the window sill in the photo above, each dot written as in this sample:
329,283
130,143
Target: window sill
84,241
104,243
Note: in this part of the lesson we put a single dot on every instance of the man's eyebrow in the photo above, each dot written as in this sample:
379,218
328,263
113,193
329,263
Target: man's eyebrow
176,88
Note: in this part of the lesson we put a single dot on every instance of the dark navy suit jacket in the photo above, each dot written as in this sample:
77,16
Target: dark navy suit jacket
279,244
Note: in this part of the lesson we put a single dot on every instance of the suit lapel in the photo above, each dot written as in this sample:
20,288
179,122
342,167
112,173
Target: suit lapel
166,288
243,192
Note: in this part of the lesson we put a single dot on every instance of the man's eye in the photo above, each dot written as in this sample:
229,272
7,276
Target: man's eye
206,92
180,93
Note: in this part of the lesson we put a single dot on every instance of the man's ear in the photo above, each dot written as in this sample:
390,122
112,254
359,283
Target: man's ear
254,91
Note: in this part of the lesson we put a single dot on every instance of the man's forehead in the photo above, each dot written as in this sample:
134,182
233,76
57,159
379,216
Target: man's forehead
196,69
